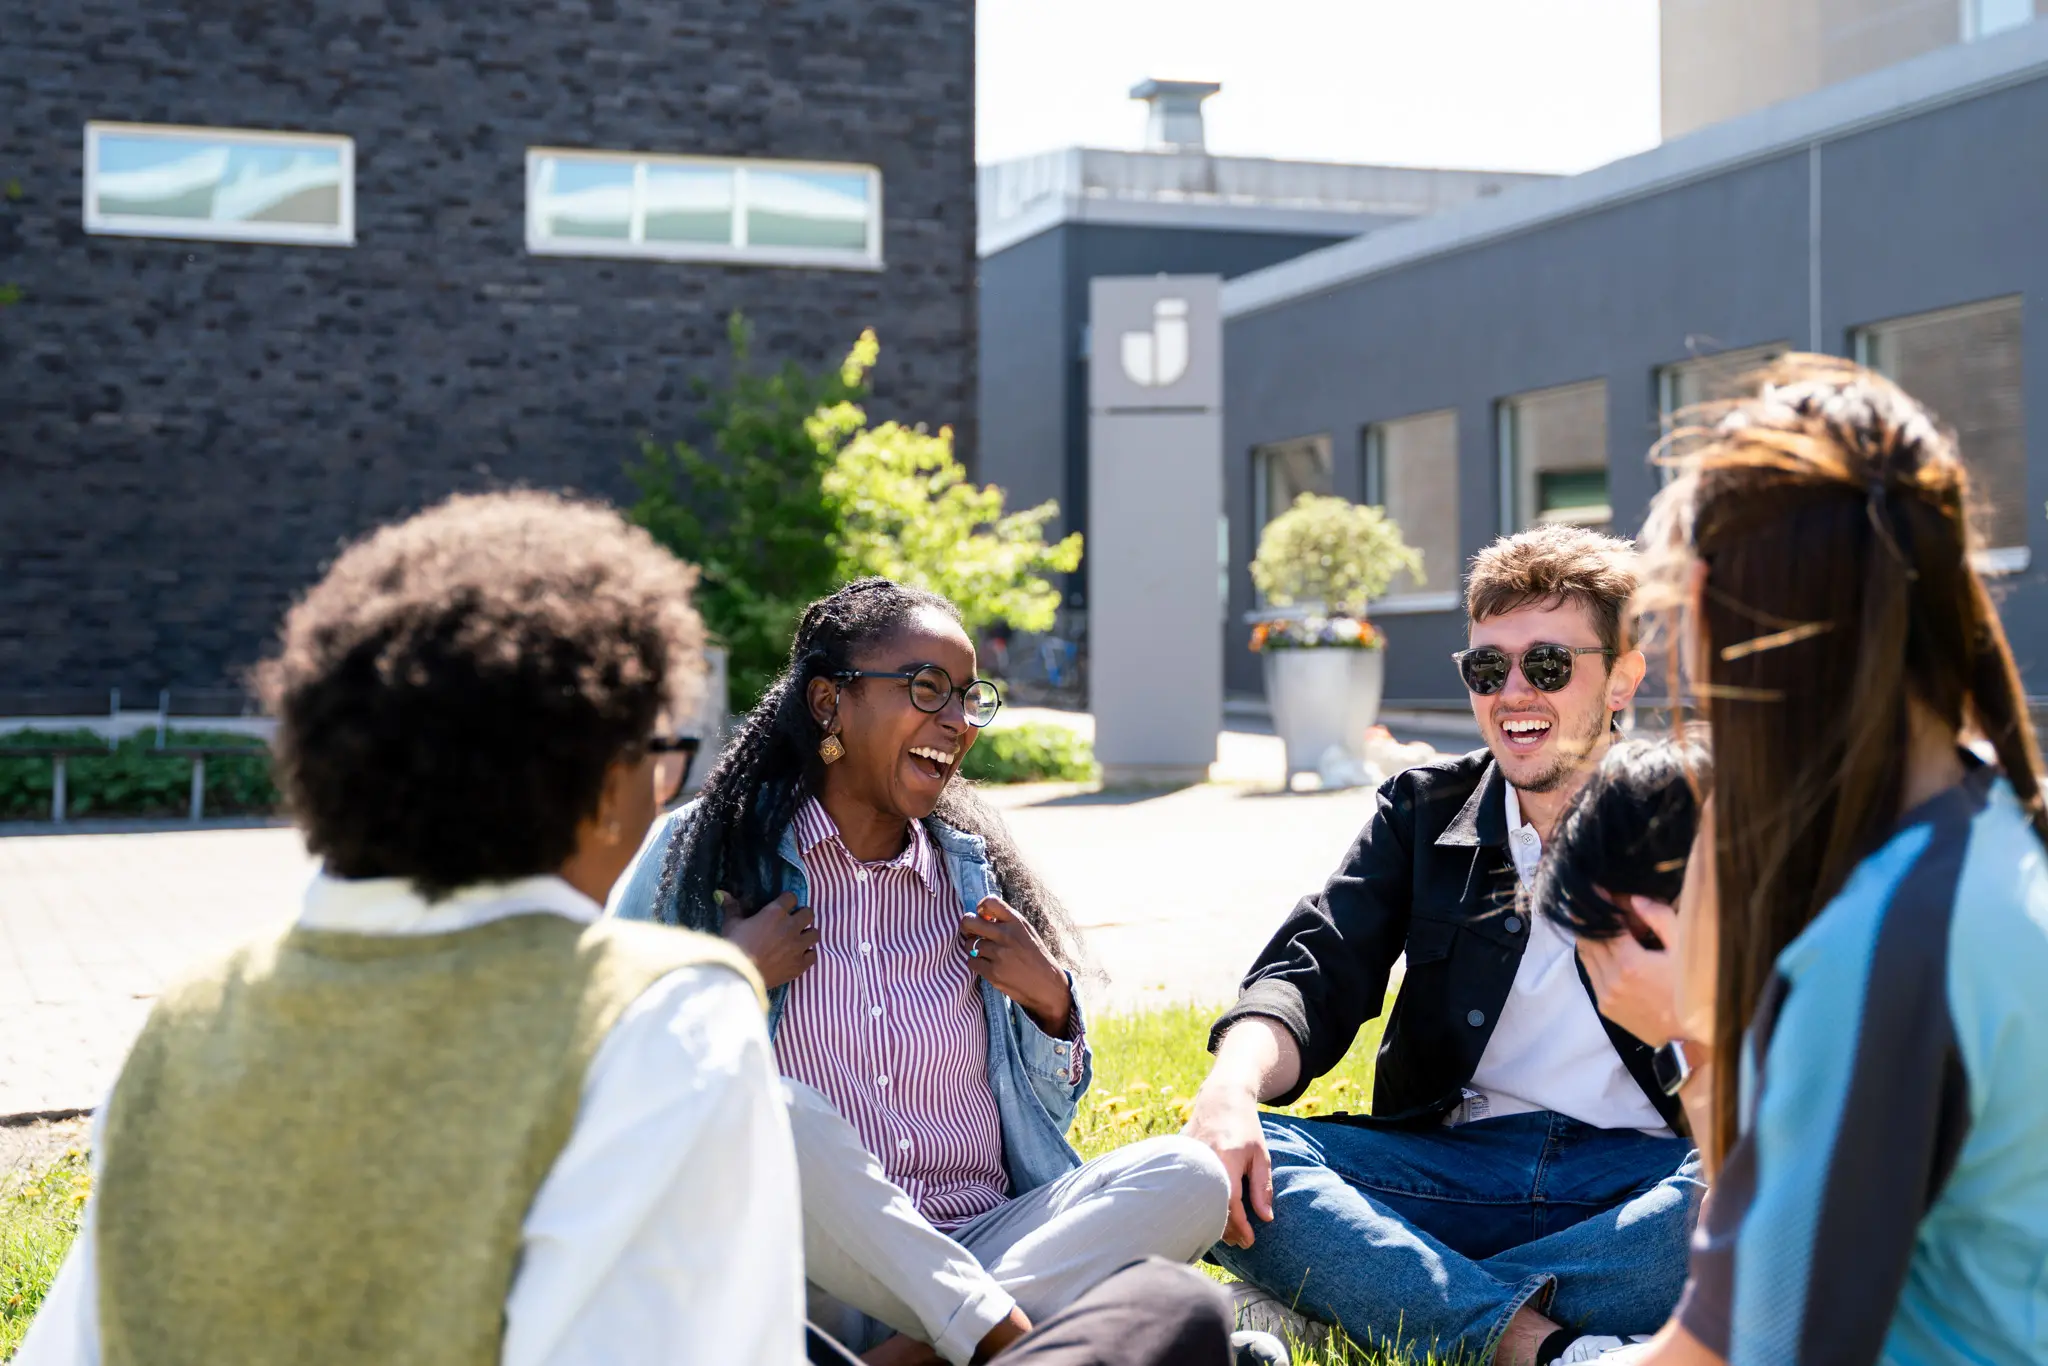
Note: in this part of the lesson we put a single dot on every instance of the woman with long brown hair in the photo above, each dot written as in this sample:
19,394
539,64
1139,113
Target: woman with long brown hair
1879,1012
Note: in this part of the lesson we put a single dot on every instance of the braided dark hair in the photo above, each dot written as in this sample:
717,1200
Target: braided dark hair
730,841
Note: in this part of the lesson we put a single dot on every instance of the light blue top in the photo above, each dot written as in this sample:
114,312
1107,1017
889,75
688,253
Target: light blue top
1036,1084
1889,1198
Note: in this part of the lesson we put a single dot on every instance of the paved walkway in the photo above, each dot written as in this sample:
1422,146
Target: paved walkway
1175,891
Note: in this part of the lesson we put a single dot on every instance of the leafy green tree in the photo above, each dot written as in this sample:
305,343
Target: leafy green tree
907,511
799,494
753,516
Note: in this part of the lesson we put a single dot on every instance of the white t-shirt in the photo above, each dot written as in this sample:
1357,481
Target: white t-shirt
1549,1050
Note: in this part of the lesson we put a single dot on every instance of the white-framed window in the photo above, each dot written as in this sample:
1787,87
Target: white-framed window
1965,364
225,184
676,208
1553,457
1982,18
1411,471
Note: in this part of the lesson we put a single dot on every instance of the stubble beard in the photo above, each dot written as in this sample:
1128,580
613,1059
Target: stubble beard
1569,762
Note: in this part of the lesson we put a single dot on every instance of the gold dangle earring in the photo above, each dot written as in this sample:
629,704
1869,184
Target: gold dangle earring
831,749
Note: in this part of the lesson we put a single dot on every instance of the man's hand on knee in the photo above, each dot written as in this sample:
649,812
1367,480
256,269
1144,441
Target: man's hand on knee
1256,1058
1226,1120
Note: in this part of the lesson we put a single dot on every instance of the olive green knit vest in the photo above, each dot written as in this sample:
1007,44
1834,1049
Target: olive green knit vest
322,1150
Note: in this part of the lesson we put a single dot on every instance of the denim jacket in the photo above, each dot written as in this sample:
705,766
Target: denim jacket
1037,1088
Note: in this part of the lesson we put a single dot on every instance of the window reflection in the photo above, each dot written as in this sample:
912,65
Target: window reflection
1553,447
1967,364
807,209
1411,470
689,204
215,180
702,208
585,198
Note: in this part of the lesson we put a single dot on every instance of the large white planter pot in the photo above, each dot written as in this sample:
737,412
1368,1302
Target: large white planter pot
1323,697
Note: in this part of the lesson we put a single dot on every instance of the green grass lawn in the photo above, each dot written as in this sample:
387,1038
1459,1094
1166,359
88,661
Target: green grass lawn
1146,1070
38,1218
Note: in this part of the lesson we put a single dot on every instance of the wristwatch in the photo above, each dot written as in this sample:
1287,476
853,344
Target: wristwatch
1671,1067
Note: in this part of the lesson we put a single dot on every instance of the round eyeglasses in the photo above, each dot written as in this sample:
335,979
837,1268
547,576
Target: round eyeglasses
674,755
1548,667
931,687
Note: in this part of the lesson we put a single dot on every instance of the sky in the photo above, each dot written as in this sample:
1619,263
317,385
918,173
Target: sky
1514,85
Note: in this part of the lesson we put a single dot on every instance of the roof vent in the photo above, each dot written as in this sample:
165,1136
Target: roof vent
1175,123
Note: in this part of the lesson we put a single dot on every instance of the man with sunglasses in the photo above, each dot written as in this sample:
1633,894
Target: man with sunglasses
1518,1194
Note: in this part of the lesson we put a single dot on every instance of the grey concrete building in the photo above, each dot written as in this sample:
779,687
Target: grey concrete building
1513,360
1051,223
289,271
1721,58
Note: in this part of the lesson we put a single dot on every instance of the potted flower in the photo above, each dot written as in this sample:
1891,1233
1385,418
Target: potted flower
1325,558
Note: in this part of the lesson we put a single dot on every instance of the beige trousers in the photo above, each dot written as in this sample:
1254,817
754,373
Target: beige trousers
875,1266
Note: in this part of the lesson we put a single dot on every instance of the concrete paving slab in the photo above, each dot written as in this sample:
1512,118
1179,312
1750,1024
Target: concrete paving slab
1175,892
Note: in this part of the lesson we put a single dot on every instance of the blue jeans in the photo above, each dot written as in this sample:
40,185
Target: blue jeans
1431,1239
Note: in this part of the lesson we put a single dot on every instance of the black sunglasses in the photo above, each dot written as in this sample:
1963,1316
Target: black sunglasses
685,745
1548,668
931,687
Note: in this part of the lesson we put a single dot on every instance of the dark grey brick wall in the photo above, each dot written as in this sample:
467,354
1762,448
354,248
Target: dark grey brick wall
189,429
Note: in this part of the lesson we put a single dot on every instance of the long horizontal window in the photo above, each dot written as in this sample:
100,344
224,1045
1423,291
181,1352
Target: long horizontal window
229,184
703,209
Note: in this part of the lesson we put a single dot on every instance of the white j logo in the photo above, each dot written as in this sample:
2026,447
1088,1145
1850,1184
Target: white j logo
1158,358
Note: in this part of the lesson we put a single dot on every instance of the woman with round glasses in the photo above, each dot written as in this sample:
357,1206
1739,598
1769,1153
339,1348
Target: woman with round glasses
921,997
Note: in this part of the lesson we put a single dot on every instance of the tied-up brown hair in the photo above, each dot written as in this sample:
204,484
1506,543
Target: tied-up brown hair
1812,553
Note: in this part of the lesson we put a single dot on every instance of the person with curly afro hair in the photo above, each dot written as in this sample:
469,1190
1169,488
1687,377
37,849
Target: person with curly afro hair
449,1113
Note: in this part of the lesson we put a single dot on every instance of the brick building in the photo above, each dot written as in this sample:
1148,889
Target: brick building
291,270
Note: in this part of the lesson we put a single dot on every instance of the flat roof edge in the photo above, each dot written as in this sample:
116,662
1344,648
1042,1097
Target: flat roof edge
1083,149
1137,213
1949,76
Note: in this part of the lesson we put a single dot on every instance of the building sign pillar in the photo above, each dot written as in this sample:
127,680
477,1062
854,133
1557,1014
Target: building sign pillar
1155,508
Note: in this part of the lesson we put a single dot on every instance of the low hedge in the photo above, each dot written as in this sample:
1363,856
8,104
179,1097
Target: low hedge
134,778
1037,751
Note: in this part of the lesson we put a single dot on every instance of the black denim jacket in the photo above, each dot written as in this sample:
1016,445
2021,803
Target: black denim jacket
1429,876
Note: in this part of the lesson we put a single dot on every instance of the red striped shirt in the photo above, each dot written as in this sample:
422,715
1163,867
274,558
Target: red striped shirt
888,1023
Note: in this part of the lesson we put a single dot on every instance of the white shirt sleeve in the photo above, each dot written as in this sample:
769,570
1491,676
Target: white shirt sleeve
668,1229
